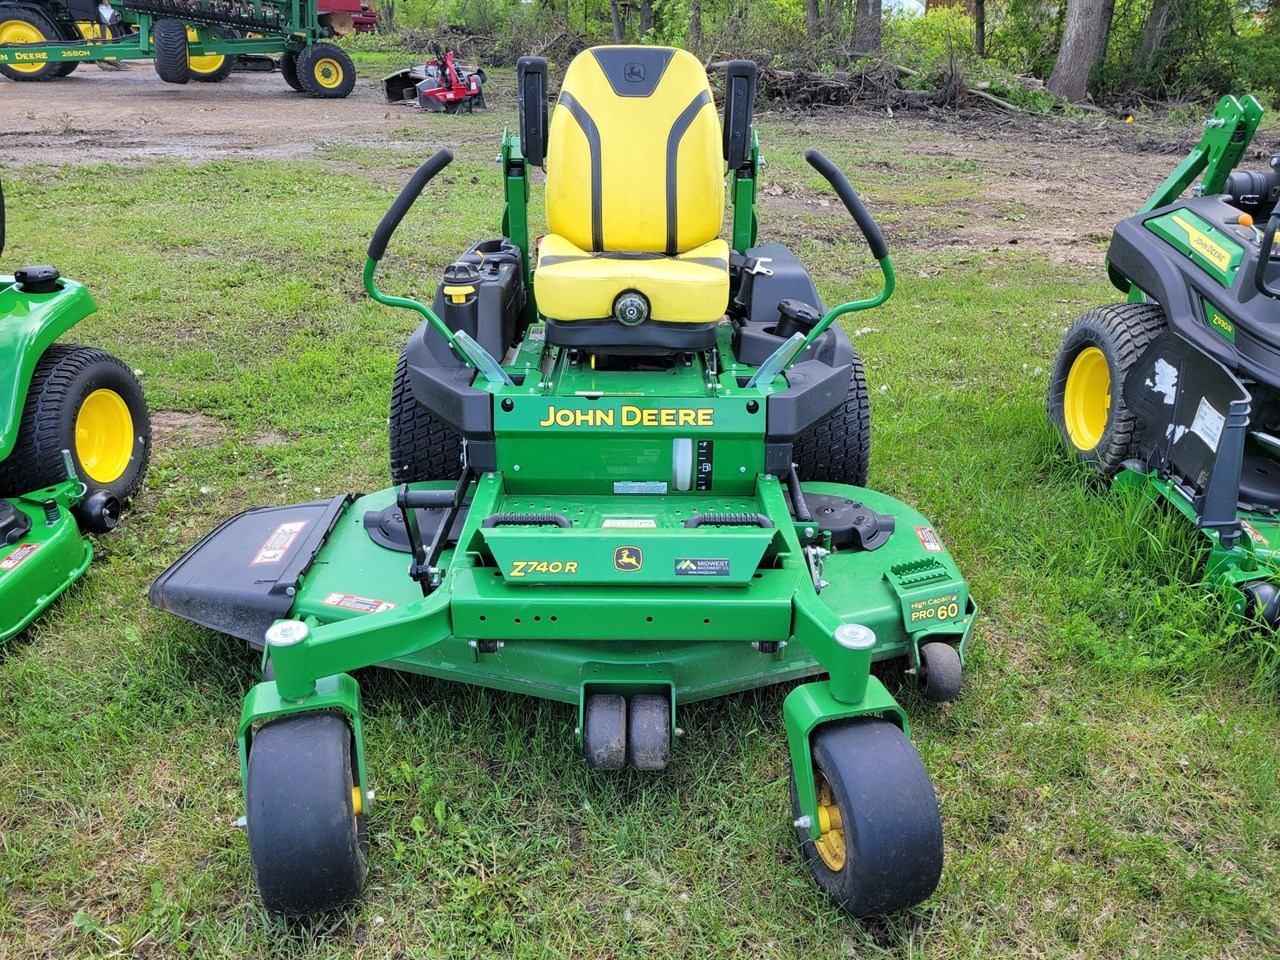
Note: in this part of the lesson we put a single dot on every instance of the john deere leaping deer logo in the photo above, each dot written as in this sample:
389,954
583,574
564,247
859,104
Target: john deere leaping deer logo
628,559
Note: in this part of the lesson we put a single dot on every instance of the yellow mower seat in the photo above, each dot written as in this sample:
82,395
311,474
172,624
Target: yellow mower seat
635,190
690,287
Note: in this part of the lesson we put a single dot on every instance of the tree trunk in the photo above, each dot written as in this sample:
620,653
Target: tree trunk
646,17
695,24
1104,34
812,19
1153,32
867,26
980,27
1079,51
616,15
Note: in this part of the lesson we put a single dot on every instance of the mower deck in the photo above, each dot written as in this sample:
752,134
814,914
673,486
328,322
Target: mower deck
45,558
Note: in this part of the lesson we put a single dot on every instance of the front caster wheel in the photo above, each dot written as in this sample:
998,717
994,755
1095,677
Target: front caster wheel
649,731
305,815
940,671
881,844
1262,602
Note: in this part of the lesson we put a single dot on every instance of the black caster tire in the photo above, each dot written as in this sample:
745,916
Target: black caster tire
173,59
18,25
1262,602
885,852
88,402
306,837
289,70
649,731
838,449
422,447
940,673
326,72
604,731
1086,398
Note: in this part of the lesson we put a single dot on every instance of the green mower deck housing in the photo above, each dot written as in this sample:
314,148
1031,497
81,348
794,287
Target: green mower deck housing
1177,391
609,513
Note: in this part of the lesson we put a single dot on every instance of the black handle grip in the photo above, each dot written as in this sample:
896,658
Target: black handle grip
417,183
849,197
526,520
407,499
1264,259
729,520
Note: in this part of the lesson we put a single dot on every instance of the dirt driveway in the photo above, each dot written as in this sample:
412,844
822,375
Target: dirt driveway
129,115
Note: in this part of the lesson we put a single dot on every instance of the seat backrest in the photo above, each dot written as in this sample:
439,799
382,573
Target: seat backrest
634,153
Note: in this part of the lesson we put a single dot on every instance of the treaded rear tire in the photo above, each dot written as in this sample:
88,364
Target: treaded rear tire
49,31
422,448
63,377
1121,331
326,71
173,61
289,70
838,449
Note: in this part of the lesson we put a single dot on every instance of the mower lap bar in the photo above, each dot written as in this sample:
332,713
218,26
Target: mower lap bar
849,197
400,206
244,575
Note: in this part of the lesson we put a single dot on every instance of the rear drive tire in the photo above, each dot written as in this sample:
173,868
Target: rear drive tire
422,447
173,60
1086,389
89,403
307,837
326,71
838,449
28,26
883,852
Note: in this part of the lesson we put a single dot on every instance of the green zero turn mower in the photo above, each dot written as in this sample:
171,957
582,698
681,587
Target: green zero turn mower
628,462
75,437
1177,390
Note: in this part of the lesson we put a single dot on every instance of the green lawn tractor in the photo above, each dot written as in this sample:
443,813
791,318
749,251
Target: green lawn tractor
186,39
629,464
1177,390
75,438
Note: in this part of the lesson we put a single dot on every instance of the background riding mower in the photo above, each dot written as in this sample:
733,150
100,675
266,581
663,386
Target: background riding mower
629,460
1177,391
75,438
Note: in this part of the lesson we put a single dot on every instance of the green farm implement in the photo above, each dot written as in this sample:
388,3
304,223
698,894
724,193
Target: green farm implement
629,463
1177,390
187,39
75,437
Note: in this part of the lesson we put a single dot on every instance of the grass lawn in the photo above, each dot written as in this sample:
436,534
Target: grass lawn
1108,780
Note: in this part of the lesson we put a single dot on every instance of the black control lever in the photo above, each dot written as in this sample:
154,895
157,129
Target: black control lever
1264,259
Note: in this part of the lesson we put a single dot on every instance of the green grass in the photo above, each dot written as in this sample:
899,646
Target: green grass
1108,780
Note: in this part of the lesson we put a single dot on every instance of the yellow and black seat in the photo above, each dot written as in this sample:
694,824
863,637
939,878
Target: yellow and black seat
635,200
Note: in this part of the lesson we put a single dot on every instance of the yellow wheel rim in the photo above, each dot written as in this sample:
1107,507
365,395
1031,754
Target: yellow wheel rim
104,436
830,845
1086,402
328,73
19,31
209,63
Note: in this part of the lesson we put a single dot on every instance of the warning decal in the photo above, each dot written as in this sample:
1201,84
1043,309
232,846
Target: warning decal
928,539
360,604
278,543
15,559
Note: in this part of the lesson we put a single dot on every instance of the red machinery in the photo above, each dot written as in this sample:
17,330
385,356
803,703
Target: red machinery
438,85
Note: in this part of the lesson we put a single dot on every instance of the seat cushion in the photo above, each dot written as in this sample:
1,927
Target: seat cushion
572,284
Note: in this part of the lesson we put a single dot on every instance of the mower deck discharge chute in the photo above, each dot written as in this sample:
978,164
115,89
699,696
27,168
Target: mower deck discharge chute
1177,391
75,438
630,462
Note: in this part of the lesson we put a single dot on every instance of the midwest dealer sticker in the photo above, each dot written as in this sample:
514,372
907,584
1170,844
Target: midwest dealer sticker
928,539
278,543
360,604
15,559
701,567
